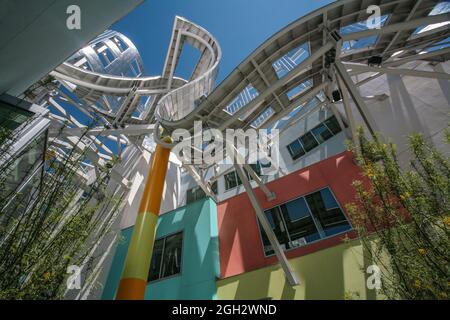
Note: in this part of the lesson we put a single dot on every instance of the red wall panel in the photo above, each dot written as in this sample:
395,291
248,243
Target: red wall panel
240,244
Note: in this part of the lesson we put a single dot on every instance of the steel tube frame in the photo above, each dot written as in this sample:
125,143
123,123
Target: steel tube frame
348,111
421,56
299,69
400,71
408,25
269,194
357,99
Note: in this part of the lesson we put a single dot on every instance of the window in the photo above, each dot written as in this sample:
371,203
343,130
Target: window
157,257
120,43
308,141
326,210
194,194
322,133
314,137
263,117
214,187
304,220
333,125
360,43
12,117
244,97
290,60
21,197
438,45
166,258
297,90
232,180
440,8
296,149
24,164
104,53
300,226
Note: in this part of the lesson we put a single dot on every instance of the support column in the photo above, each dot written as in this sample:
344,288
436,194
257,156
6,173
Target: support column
289,273
269,194
137,264
360,105
348,112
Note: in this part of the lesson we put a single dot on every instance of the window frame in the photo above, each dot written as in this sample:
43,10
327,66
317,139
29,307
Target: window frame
384,20
195,194
320,139
215,187
337,122
294,158
314,139
323,228
312,217
238,179
296,155
37,168
164,247
279,58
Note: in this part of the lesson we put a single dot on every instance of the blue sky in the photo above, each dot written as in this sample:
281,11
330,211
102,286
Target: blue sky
240,26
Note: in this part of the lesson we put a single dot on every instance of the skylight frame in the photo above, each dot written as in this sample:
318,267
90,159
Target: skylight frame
288,61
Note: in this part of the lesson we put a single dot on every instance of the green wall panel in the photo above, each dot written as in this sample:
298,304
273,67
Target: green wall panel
200,255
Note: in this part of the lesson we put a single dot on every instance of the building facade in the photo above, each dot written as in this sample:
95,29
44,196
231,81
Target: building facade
312,188
287,235
325,254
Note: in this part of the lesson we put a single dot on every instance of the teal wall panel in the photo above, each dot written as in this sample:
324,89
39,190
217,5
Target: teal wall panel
200,255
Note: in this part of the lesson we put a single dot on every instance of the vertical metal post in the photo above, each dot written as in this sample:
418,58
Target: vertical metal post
137,263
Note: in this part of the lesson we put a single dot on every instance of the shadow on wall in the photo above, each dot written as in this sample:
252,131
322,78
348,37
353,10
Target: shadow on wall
403,107
237,225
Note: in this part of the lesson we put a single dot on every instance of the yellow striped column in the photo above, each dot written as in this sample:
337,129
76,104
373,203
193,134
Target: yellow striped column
137,264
